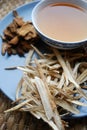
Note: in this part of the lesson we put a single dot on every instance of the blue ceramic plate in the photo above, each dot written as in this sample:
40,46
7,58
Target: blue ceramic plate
9,79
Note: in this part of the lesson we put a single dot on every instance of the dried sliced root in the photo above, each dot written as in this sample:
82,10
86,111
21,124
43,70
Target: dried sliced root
19,88
29,57
77,102
44,98
68,75
38,52
18,106
67,106
49,85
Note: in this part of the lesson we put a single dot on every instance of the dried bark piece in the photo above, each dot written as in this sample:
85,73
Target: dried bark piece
19,34
25,29
19,21
14,51
31,34
5,47
9,51
12,27
25,45
8,34
15,14
3,38
20,52
14,40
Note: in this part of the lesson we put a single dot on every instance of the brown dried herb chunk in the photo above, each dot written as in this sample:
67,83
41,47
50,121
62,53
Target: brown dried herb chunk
5,47
14,40
19,21
26,29
8,35
18,36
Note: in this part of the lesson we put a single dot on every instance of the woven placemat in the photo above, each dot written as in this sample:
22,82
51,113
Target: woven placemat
24,120
8,5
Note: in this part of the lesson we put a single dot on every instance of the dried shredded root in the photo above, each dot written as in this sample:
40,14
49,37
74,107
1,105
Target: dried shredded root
49,85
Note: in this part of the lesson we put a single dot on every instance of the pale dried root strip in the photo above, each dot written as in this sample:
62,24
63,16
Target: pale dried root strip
77,102
44,98
41,75
46,62
29,57
52,114
57,120
40,85
18,106
38,52
67,72
61,82
30,84
67,106
26,70
82,76
80,79
19,88
75,70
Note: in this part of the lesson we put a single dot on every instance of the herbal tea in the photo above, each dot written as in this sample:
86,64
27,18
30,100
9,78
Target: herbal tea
64,22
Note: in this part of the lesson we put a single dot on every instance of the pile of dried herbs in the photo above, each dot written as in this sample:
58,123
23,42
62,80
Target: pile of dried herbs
18,36
52,84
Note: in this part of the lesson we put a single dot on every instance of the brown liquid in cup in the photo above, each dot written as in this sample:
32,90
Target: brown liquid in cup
63,22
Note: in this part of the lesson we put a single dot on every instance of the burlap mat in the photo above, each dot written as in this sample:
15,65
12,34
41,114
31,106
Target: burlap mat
23,120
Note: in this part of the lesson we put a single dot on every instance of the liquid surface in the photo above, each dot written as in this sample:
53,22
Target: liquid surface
64,22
